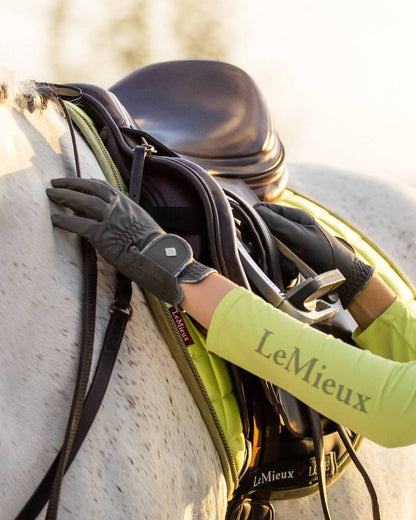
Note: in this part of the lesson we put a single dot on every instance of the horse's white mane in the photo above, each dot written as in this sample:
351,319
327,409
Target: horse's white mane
23,94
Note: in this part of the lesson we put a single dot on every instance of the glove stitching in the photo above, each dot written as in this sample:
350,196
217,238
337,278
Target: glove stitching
128,236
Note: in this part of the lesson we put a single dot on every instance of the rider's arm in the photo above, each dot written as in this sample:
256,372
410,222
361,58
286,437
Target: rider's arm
368,393
200,300
373,395
371,302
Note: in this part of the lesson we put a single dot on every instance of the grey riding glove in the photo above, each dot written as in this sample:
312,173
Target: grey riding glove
298,230
127,237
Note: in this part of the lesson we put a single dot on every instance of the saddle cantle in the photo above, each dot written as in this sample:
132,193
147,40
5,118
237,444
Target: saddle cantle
211,113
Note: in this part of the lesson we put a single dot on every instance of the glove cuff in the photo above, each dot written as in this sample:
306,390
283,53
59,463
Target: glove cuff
171,252
174,256
358,278
195,272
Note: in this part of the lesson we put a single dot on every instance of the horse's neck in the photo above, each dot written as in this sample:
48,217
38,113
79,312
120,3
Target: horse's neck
148,438
40,285
24,136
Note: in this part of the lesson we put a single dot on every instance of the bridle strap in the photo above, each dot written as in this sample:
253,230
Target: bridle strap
83,409
87,347
109,351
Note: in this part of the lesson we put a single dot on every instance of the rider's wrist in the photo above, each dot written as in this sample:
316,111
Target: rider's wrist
357,278
371,302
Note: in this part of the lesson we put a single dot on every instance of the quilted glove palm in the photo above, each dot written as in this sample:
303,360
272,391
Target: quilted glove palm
127,237
298,230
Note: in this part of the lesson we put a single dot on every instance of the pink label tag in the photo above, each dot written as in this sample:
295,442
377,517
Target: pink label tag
182,328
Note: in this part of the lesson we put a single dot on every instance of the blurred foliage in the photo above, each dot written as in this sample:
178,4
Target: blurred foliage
200,29
57,21
126,37
100,41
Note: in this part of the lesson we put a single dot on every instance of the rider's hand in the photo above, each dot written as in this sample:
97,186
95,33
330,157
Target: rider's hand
298,230
127,237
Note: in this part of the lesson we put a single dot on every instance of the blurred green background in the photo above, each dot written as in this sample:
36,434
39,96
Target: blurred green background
339,77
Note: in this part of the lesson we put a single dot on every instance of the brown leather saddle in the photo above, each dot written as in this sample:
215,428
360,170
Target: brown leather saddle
211,113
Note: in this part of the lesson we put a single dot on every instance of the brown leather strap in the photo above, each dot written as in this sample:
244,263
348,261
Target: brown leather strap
109,351
83,413
87,346
318,446
370,487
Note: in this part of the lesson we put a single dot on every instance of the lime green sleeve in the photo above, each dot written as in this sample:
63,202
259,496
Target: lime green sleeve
366,392
393,334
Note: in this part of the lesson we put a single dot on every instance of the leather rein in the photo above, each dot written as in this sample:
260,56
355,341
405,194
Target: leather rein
84,405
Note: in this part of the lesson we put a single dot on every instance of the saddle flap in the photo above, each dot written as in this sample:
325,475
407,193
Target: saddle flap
198,211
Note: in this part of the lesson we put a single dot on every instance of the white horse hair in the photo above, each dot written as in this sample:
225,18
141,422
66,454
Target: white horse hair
148,454
22,94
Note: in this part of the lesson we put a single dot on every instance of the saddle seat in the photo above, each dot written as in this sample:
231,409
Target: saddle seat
211,113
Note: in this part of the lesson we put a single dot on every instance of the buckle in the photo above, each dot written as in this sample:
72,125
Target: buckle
113,306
